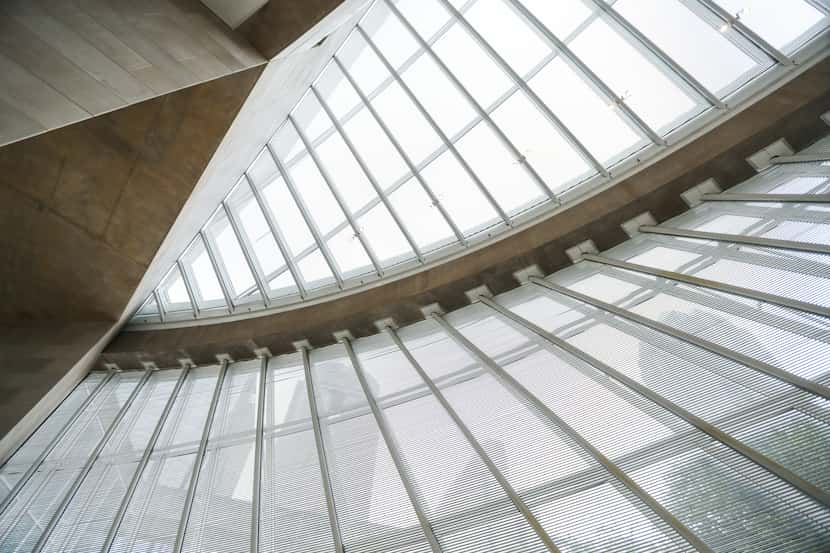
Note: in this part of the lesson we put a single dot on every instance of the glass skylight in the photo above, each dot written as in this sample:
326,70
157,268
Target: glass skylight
439,124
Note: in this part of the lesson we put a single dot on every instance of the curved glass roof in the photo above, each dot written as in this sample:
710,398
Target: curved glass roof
441,123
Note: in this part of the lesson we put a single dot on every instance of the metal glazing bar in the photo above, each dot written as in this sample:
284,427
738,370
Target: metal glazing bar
801,158
337,196
215,264
145,459
369,176
24,479
257,484
711,284
434,125
392,446
312,226
398,148
634,120
321,453
188,286
738,239
701,89
747,33
518,389
542,106
794,380
278,237
159,306
93,457
247,253
517,501
197,462
771,466
482,113
777,198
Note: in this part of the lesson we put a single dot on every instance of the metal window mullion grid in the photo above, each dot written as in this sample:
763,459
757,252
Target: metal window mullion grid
782,198
771,466
522,84
381,196
256,492
220,277
633,120
373,258
159,306
247,253
310,223
188,286
583,445
749,240
85,470
394,452
414,173
434,125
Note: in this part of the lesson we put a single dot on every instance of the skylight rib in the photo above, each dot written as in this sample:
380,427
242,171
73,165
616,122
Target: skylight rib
404,171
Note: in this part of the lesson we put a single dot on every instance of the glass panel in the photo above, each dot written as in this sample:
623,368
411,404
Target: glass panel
349,254
423,220
384,235
408,126
173,293
231,258
389,35
314,270
202,277
562,17
426,16
149,308
782,24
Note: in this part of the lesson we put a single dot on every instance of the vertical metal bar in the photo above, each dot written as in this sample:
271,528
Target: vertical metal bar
760,241
197,462
189,288
711,284
23,480
278,237
337,197
794,380
145,459
777,198
162,314
747,33
701,89
392,446
256,501
517,501
739,447
441,134
634,120
542,106
398,148
93,457
247,253
219,278
309,221
482,113
369,176
321,454
523,393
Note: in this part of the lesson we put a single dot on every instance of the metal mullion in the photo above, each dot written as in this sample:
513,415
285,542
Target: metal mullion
188,288
162,313
85,470
247,253
369,176
800,158
711,284
392,447
747,33
257,480
337,196
759,459
36,464
309,221
290,263
217,271
197,462
482,114
321,454
542,106
631,117
777,198
145,459
517,501
759,241
516,387
667,60
756,364
398,148
432,123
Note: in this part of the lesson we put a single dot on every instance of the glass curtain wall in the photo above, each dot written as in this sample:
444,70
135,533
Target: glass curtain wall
671,394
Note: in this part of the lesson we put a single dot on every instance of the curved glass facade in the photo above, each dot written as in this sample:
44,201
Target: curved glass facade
670,394
441,123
